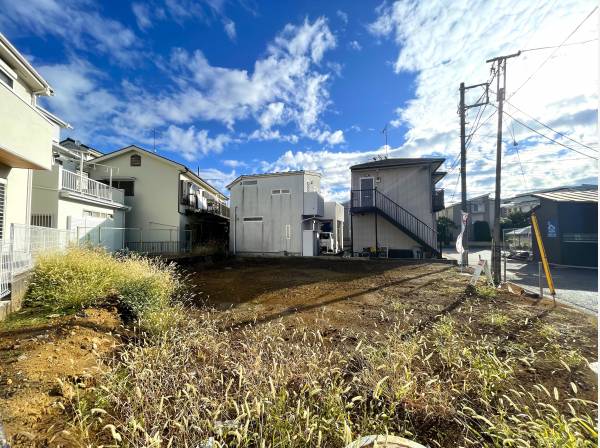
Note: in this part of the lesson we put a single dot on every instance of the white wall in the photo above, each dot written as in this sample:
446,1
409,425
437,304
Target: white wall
282,220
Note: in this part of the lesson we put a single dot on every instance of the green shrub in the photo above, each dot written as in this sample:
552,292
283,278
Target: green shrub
83,277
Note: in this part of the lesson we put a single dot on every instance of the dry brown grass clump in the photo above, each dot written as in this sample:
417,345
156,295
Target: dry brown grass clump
269,386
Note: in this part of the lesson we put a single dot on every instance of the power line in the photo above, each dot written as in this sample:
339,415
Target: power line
549,138
553,130
554,52
558,46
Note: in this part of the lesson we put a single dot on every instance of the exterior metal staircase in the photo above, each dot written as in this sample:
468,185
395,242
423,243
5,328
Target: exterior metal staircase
373,201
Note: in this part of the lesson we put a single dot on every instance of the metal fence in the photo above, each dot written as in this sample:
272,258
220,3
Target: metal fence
25,243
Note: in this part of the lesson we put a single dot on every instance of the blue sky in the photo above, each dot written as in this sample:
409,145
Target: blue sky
240,86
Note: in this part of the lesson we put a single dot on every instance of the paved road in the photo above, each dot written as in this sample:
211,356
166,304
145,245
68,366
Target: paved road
578,287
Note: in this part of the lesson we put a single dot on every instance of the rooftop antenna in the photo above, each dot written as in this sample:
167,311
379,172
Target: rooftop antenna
385,132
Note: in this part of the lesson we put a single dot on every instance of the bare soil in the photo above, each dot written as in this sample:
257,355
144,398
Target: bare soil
35,352
335,297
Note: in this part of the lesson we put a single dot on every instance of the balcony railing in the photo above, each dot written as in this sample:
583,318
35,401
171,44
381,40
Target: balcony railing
91,188
212,206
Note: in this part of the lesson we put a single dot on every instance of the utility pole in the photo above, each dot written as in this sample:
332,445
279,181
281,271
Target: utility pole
463,174
500,93
463,158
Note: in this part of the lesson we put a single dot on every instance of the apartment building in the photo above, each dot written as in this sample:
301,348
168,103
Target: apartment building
170,208
393,206
27,133
281,214
66,197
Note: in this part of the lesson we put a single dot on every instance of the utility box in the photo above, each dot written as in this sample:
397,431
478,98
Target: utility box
310,243
314,205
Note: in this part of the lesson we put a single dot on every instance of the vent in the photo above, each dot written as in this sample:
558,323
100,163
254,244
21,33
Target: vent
253,219
249,182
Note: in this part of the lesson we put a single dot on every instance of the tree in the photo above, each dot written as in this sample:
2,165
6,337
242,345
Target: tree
481,231
519,219
444,230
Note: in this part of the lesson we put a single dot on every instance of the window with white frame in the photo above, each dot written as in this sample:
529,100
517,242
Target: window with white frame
6,78
288,231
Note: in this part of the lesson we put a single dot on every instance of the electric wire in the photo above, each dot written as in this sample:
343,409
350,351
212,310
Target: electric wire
549,138
558,46
549,128
554,52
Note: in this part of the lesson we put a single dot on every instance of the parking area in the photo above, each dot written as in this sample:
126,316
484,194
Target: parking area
575,286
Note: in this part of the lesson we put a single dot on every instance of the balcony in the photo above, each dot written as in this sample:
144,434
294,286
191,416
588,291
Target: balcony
89,189
25,135
437,200
194,203
314,204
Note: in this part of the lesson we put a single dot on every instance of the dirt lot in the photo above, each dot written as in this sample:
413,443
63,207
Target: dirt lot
335,297
36,351
361,295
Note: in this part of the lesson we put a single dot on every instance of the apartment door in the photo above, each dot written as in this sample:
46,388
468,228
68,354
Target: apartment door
367,187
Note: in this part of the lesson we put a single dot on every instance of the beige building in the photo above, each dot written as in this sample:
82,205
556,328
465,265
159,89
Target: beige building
481,209
171,208
66,197
27,133
393,205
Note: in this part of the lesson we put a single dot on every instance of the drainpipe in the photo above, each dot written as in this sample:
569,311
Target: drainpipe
235,230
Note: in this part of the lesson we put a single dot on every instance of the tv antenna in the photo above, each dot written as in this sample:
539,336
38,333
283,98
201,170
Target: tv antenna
385,133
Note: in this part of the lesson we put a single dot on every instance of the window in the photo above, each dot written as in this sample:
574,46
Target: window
6,79
477,207
285,191
135,160
288,231
126,185
249,182
253,219
280,191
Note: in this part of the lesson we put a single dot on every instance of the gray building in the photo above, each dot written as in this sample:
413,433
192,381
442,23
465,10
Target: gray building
481,209
280,214
393,205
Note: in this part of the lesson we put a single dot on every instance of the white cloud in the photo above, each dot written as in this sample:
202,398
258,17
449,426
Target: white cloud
355,45
229,26
234,163
342,15
217,178
77,22
287,88
189,143
335,167
445,46
272,115
331,138
142,15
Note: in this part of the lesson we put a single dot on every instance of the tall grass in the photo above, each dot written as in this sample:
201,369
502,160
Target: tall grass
272,387
83,277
